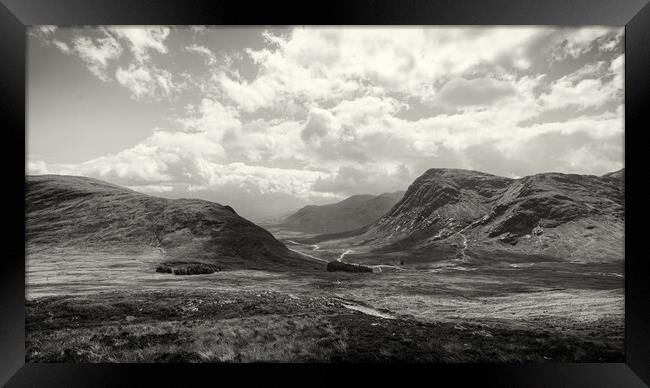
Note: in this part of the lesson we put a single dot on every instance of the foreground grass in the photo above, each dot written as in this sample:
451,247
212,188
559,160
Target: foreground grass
249,326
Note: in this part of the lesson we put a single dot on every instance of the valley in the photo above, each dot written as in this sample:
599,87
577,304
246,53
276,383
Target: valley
436,310
459,298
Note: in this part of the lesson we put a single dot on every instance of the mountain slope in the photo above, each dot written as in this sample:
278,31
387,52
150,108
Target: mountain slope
349,214
620,175
567,216
84,213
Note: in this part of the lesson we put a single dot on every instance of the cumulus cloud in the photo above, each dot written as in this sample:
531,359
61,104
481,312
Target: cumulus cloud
582,94
261,179
323,113
328,139
367,110
319,64
210,116
144,79
320,125
591,86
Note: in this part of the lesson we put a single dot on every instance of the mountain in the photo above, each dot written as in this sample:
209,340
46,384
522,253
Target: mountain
349,214
565,216
69,212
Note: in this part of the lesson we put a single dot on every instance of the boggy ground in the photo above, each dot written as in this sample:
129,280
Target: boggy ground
242,326
97,307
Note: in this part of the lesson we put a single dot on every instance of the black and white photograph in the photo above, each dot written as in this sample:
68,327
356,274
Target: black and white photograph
325,194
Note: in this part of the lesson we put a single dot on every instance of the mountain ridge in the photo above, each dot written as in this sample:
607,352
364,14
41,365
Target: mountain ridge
349,214
580,217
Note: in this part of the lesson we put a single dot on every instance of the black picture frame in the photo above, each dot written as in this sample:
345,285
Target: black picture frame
16,15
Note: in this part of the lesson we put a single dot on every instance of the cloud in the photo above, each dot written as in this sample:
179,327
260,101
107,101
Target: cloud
97,53
617,65
593,85
582,94
161,158
36,167
320,125
210,116
259,191
209,56
141,163
260,179
200,30
102,50
573,42
329,140
323,113
363,179
249,97
142,40
145,81
480,91
321,64
367,110
575,152
62,46
46,29
152,188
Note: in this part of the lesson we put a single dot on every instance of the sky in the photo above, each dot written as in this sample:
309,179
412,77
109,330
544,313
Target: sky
268,120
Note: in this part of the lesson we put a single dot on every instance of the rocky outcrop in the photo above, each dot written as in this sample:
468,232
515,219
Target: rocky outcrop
338,266
188,268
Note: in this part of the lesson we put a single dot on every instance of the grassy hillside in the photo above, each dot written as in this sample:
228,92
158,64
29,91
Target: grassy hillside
78,213
350,214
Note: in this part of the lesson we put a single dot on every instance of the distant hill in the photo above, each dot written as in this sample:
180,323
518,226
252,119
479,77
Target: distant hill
76,212
620,174
566,216
349,214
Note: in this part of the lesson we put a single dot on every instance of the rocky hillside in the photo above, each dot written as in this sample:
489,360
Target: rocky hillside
567,216
68,212
619,175
349,214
